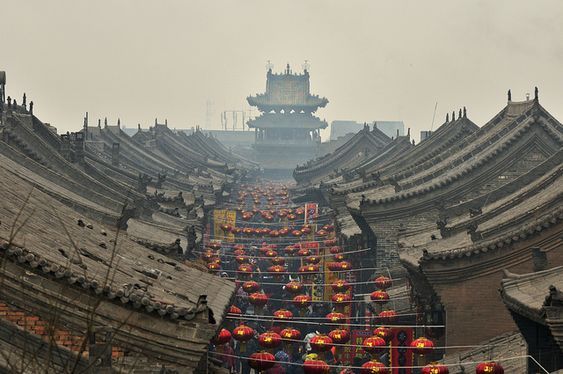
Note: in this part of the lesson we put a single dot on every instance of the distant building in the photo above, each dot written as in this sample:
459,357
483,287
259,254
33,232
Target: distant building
425,135
286,132
389,128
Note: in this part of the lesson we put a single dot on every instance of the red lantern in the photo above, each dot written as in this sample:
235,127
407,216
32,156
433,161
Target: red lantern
236,230
435,368
269,339
213,267
313,259
299,211
340,286
246,216
336,317
333,266
374,344
271,253
294,287
233,309
335,250
321,343
216,246
258,299
308,269
243,333
261,361
387,316
304,252
274,233
383,283
341,298
315,367
250,286
278,261
345,265
290,250
290,334
302,301
208,255
321,232
339,336
384,332
292,217
245,269
379,296
338,257
306,230
223,337
296,233
374,367
238,246
330,242
489,368
283,314
421,346
242,259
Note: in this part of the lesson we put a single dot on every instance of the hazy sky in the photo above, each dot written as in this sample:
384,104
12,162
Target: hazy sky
373,60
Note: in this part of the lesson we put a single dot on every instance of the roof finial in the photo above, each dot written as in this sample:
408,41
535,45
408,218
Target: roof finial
118,122
409,132
536,93
156,121
397,133
459,115
166,122
447,117
464,112
287,70
509,95
453,115
105,122
139,126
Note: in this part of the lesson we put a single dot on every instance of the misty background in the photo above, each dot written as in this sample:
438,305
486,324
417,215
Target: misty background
187,61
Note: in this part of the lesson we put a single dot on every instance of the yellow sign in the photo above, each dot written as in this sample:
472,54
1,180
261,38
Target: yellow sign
224,217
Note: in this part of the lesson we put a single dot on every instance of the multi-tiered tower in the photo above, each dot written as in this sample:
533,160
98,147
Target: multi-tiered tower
287,133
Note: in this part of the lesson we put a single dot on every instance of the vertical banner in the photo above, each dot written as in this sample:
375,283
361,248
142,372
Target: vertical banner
400,355
224,217
311,211
354,349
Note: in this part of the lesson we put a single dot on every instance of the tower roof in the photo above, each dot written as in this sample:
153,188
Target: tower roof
287,91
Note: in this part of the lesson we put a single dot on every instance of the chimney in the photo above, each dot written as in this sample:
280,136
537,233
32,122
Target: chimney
539,258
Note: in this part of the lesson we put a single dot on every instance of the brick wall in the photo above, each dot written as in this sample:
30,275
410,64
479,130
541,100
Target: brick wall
37,326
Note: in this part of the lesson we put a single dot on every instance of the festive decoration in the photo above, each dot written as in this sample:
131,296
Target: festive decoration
435,368
271,253
277,270
335,250
387,316
341,299
290,334
490,367
316,367
374,344
382,283
340,286
321,343
294,287
339,336
261,361
338,257
313,260
290,250
302,301
374,367
333,266
250,286
345,265
269,340
283,314
243,333
304,252
384,332
258,299
223,337
233,309
336,317
213,267
421,346
379,296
